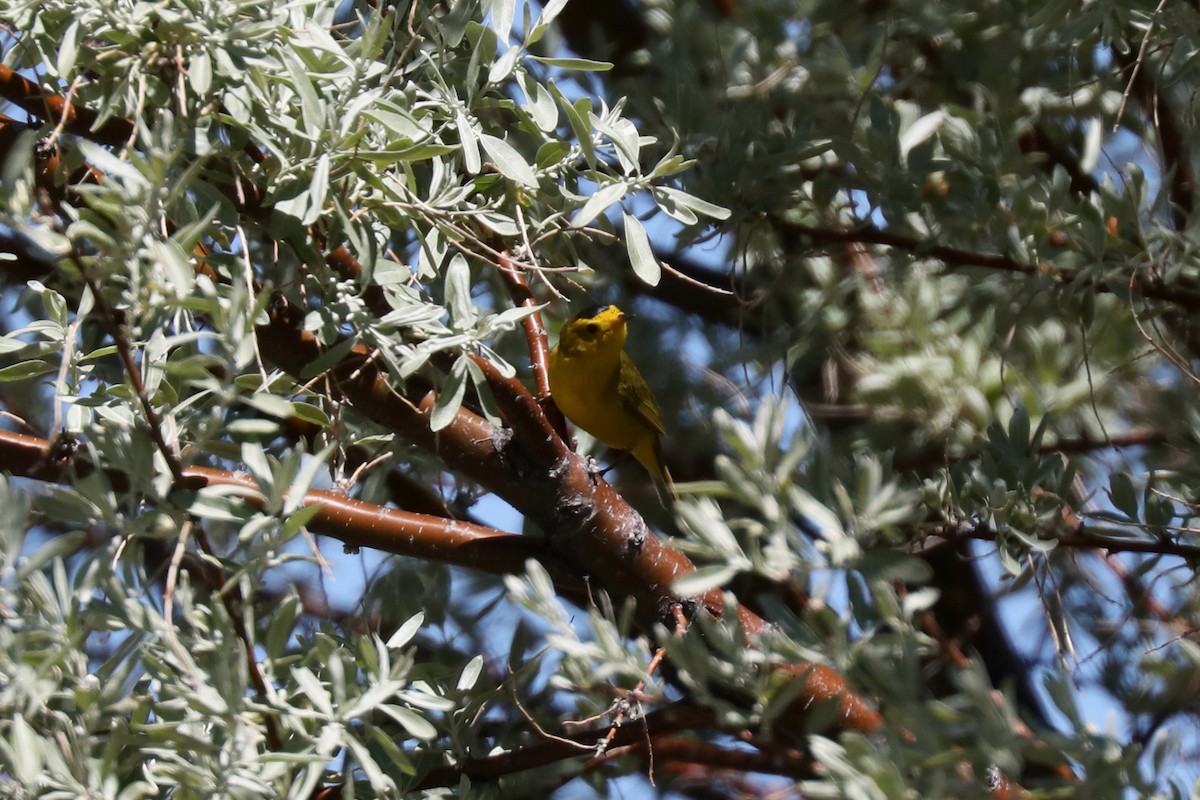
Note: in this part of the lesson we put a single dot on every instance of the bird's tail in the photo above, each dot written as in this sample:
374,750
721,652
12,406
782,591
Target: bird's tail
651,459
664,487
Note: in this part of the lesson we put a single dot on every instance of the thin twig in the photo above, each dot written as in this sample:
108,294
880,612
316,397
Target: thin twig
1153,288
169,595
542,731
1137,66
117,332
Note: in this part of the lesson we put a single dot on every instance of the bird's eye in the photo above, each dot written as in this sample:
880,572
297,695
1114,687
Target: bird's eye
593,328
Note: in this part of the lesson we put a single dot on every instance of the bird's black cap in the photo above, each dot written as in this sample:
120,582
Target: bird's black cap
592,311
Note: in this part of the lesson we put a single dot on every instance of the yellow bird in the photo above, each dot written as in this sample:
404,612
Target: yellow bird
596,386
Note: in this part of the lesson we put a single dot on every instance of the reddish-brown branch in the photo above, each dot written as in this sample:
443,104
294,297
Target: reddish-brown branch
54,109
535,331
47,160
585,519
1002,788
524,413
823,685
346,265
351,521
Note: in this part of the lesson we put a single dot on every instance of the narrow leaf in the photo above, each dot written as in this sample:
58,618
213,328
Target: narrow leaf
641,255
407,631
450,399
598,202
509,161
578,64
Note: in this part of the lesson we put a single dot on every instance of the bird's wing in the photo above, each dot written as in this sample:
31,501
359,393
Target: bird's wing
636,395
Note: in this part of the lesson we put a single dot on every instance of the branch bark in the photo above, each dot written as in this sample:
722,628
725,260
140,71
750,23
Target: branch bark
53,109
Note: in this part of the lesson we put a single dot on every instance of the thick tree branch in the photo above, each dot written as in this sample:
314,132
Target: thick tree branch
591,523
351,521
54,110
535,331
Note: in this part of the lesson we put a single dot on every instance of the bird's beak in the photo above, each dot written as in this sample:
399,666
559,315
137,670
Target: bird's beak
626,317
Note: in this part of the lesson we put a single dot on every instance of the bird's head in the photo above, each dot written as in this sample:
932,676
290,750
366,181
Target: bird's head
596,329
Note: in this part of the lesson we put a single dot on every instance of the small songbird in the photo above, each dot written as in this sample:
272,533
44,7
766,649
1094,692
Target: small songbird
597,387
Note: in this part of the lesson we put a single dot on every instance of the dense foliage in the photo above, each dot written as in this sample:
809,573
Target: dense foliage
288,510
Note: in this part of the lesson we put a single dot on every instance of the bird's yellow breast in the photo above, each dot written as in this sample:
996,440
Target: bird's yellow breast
585,387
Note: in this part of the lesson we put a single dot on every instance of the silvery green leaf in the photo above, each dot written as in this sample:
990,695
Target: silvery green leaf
641,256
576,64
304,477
449,400
598,202
625,139
539,103
470,674
175,265
705,578
199,72
311,106
407,631
503,14
810,508
577,117
23,370
550,10
470,144
503,66
318,189
362,758
463,312
27,751
411,721
68,50
509,161
919,131
60,546
684,200
314,690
